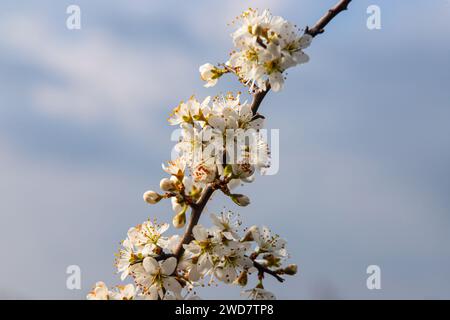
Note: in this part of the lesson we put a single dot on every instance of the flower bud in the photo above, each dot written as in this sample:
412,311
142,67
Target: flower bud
210,74
228,171
177,207
240,200
290,269
167,185
242,279
179,220
152,197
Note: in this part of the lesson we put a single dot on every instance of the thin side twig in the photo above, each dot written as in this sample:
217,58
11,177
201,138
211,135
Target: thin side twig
262,269
320,25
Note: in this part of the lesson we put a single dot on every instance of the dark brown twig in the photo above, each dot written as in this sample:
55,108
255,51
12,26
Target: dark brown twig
258,97
319,27
262,269
196,212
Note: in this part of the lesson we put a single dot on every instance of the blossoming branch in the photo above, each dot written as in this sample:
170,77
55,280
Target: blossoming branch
221,146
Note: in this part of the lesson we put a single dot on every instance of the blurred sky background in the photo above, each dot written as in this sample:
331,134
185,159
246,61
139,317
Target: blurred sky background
364,126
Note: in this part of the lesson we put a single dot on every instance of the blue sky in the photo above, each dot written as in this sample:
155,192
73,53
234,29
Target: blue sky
364,173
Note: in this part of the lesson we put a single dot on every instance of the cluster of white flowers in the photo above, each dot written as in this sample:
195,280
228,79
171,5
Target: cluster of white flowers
214,128
266,46
221,145
144,240
217,253
101,292
220,142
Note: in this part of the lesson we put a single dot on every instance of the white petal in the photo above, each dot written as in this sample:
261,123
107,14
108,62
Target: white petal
301,57
177,208
257,123
266,233
200,233
206,101
172,285
150,265
160,293
245,262
194,275
152,293
203,264
276,81
124,274
229,235
211,83
163,228
216,221
305,41
148,249
216,122
256,233
169,297
168,266
245,113
226,274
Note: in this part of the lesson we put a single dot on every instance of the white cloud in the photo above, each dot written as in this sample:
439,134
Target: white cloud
98,77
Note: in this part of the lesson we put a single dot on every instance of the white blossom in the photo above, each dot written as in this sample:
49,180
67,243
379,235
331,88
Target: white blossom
126,292
99,292
268,243
210,74
155,278
206,249
125,258
143,240
213,131
205,171
233,262
148,237
266,46
226,224
175,167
